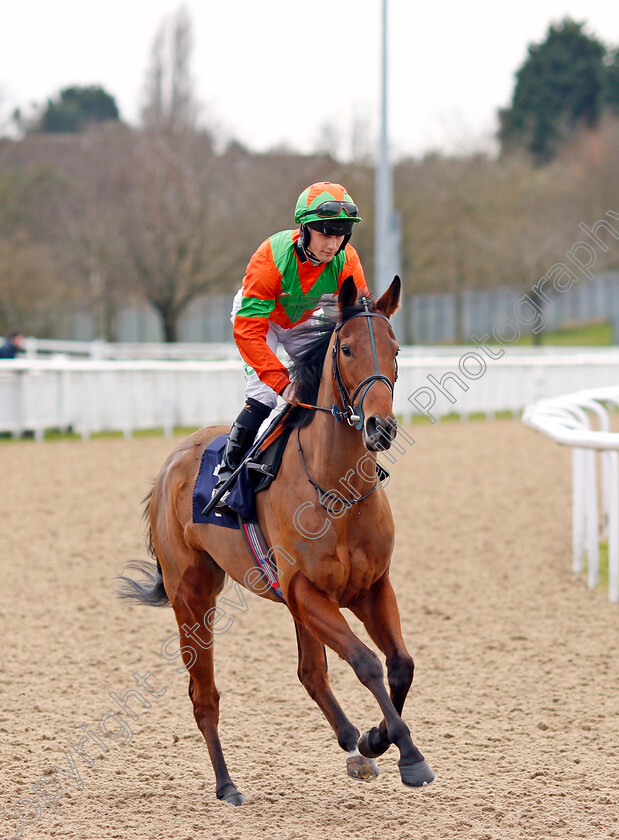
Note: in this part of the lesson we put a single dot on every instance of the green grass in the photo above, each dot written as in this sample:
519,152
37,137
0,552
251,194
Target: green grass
58,434
454,416
603,580
603,570
597,334
179,431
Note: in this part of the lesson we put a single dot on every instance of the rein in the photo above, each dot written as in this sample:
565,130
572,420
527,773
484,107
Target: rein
325,495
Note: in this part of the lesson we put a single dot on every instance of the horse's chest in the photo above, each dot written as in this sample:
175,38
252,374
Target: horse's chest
354,568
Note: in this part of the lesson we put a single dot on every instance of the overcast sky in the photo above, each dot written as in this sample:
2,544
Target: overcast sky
274,72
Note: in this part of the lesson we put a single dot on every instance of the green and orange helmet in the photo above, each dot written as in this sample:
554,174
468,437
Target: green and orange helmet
327,208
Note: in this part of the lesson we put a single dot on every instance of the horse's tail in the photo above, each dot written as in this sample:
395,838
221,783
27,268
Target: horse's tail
150,590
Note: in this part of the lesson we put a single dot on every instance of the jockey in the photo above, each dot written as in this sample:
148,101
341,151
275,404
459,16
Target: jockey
285,282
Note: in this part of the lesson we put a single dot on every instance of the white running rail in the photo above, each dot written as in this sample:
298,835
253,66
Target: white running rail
37,348
570,420
89,396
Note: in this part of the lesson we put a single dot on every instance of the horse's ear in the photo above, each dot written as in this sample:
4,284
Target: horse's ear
348,294
390,301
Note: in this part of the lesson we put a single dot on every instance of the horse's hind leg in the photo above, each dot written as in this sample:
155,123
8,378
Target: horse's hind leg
195,597
313,674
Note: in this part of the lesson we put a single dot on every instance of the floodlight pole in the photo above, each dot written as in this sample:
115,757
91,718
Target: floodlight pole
386,245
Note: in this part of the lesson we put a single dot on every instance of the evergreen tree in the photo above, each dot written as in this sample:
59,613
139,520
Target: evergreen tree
76,108
563,84
610,97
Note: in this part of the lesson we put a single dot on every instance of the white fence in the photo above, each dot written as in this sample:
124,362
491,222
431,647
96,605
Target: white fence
116,396
568,420
99,350
92,396
437,385
45,348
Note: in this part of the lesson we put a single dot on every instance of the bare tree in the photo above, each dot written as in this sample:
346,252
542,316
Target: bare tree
169,99
96,221
351,142
589,162
474,222
5,119
167,224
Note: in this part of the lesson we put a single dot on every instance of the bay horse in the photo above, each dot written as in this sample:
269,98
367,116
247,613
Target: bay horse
334,548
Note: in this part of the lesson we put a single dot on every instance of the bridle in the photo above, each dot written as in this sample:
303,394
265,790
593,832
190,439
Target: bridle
352,411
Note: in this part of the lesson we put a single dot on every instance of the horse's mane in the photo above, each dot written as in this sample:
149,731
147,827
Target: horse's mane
306,367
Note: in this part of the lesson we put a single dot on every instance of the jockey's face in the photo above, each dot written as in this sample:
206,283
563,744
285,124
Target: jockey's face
324,247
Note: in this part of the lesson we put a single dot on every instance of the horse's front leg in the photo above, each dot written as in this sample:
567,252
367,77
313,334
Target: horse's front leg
379,613
313,675
322,617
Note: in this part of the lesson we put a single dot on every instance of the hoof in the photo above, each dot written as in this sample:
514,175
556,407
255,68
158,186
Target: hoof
236,798
367,746
231,795
360,767
417,775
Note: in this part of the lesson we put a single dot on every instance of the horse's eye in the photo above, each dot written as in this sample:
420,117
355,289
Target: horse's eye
346,350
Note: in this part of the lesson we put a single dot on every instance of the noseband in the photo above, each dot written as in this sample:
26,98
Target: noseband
352,411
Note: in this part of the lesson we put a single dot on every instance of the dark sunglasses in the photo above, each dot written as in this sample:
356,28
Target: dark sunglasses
332,209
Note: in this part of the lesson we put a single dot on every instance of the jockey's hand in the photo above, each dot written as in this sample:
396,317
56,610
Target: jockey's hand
289,394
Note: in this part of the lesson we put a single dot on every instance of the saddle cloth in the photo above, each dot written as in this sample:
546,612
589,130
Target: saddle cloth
252,478
241,497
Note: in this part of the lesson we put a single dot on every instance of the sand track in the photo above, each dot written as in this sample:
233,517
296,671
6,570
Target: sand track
516,695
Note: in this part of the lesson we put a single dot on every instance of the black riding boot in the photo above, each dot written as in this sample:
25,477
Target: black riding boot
242,435
239,441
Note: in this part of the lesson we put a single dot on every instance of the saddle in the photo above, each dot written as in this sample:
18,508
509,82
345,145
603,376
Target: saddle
256,475
266,461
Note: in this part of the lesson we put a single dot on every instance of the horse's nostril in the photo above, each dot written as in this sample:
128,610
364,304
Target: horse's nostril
379,432
373,427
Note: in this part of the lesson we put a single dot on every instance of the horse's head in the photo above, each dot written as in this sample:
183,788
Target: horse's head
364,363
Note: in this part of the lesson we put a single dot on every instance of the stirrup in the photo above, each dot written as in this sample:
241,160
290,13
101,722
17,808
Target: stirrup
222,505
